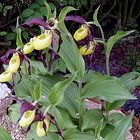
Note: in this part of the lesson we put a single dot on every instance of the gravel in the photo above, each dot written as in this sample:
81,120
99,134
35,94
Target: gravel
15,130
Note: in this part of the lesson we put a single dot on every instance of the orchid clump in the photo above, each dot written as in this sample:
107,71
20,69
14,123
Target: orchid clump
53,89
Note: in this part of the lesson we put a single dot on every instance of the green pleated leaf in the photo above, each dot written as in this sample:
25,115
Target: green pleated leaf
14,112
95,18
115,104
131,80
91,119
58,117
113,39
62,16
121,128
69,51
70,54
70,100
98,130
53,136
19,42
37,90
4,135
107,88
68,124
57,92
49,12
79,136
38,67
64,12
24,89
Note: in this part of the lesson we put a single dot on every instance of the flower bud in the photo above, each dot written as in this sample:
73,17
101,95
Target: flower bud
6,76
81,33
43,41
14,63
86,51
27,118
29,47
41,130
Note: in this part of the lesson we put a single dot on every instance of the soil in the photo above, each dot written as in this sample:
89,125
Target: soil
14,130
136,129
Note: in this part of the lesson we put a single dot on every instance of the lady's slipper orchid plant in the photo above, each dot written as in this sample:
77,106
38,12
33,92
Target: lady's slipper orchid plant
59,99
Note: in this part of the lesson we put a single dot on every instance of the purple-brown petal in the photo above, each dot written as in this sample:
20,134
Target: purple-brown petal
75,18
25,107
36,21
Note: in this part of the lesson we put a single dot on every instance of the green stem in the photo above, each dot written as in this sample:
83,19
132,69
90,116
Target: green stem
80,85
81,109
106,111
107,65
107,56
103,36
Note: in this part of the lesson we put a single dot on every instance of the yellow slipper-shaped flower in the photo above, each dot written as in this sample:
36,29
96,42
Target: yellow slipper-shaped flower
6,76
14,63
27,118
84,51
40,131
29,47
81,33
43,41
